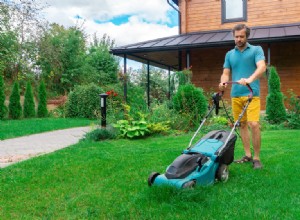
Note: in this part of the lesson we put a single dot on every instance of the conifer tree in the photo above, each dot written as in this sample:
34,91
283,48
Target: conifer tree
42,106
275,108
15,108
29,106
3,108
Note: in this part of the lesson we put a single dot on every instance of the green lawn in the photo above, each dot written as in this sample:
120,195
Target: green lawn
108,180
17,128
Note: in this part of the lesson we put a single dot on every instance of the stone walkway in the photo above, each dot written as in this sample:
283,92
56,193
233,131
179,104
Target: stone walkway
18,149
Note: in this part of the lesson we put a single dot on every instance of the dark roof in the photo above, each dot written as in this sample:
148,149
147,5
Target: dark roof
175,1
163,52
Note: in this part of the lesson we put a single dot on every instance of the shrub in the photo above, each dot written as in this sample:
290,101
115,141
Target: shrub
101,134
114,102
159,128
190,100
275,109
136,99
29,106
84,102
293,110
181,78
3,108
130,127
42,106
15,108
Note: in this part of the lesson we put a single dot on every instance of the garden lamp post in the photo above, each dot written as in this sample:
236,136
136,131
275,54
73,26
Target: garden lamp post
103,97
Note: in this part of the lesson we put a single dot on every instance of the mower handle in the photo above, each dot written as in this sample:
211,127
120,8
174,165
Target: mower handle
250,96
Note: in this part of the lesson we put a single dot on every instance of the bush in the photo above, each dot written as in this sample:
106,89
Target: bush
293,111
190,100
114,102
29,106
101,134
15,108
136,98
84,102
42,106
275,109
3,108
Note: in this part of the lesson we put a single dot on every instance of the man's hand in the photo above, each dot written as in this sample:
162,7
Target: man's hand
222,86
244,81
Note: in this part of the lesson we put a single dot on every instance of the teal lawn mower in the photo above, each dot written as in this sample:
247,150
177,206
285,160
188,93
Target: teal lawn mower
206,161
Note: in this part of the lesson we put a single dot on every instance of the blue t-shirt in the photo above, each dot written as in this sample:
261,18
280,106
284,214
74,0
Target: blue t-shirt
242,64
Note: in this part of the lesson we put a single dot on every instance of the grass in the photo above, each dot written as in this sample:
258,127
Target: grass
108,180
17,128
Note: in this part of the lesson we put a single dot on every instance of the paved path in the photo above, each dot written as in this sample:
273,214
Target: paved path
22,148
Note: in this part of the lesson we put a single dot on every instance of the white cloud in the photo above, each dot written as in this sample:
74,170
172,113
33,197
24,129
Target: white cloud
147,19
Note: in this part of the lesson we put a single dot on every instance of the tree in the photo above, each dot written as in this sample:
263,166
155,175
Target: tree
3,108
8,41
15,108
158,82
42,106
102,67
61,57
275,109
29,106
23,25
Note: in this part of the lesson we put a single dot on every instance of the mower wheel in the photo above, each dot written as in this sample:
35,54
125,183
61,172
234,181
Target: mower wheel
222,173
152,177
189,185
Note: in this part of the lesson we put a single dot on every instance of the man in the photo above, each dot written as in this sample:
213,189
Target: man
245,64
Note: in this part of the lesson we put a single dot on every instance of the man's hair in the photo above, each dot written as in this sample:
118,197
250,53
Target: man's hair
239,27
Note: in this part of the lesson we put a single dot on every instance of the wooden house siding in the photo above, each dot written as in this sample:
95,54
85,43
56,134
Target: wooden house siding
205,15
207,67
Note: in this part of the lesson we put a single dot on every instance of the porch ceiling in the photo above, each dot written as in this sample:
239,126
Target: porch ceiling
164,52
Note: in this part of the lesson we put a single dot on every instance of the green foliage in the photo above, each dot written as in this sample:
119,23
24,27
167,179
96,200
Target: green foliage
42,106
84,102
29,106
101,66
159,128
275,108
183,77
132,129
3,108
99,134
61,57
293,110
136,98
114,102
190,100
15,108
219,120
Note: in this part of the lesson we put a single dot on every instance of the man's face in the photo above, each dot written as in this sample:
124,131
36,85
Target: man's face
240,38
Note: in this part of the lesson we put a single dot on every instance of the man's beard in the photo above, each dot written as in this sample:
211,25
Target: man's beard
241,44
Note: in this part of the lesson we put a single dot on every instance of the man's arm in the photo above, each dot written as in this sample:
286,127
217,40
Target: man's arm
224,78
261,68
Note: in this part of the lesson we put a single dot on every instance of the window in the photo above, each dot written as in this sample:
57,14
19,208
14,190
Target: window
234,10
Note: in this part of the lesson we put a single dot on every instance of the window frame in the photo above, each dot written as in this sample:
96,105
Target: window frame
244,18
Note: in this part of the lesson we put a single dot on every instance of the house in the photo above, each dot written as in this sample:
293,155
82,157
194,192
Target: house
205,36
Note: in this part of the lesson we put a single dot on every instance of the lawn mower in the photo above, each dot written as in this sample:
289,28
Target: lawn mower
208,159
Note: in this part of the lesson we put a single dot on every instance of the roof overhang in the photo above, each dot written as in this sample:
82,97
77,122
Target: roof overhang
164,52
175,1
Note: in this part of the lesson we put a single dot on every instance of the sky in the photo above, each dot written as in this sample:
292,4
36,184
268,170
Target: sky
125,21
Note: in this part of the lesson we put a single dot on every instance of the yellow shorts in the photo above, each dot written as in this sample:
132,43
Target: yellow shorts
253,111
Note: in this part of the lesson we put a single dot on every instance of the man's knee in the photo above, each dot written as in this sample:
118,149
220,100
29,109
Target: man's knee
254,125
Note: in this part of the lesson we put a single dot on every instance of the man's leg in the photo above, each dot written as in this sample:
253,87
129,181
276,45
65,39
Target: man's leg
245,135
256,138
